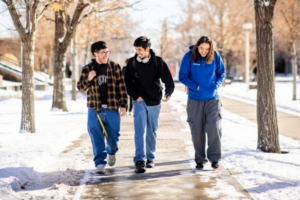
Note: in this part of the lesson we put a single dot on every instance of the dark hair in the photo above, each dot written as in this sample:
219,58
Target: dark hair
126,61
97,46
142,41
196,55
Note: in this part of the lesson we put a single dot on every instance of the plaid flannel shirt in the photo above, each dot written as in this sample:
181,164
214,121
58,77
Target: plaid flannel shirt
117,95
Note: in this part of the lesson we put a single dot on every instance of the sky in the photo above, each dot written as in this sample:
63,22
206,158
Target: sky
149,16
154,12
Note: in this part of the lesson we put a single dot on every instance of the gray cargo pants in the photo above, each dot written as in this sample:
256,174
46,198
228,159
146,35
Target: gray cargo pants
204,117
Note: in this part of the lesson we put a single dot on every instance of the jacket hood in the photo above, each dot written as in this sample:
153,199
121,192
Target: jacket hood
191,47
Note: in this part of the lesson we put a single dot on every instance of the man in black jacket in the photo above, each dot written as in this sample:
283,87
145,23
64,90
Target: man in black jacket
142,78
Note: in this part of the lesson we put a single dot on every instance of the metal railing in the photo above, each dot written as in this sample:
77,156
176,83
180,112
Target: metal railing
8,60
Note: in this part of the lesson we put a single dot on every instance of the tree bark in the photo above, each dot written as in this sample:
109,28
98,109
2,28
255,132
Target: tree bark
28,113
75,67
27,36
294,68
268,140
59,96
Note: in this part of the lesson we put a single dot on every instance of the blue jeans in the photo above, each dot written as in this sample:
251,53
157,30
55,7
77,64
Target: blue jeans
111,121
145,125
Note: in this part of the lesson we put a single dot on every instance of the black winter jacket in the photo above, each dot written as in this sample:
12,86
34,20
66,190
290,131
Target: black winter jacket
143,79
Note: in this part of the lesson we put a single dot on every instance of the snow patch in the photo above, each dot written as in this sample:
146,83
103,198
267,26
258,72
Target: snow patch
23,131
62,39
54,109
266,3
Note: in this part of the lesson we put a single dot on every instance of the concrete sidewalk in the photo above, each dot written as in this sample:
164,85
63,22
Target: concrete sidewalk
288,124
173,176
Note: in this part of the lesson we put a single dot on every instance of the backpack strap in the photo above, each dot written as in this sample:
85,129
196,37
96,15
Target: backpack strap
113,67
90,66
156,66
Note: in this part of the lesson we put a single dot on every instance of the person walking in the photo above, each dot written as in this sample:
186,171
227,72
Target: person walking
106,93
142,77
203,72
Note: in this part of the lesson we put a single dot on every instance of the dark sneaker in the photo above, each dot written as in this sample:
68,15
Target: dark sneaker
215,165
150,164
199,166
140,167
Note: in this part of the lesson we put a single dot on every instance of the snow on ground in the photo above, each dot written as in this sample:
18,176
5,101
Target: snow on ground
283,95
263,175
27,160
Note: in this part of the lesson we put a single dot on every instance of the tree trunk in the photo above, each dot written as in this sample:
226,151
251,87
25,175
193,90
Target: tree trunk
28,116
268,140
59,96
294,68
75,67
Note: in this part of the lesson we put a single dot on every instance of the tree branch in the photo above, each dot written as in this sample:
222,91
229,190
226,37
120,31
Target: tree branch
284,16
42,12
33,16
109,9
48,18
16,20
73,25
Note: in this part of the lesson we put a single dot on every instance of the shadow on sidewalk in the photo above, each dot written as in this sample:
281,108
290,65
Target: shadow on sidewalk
114,178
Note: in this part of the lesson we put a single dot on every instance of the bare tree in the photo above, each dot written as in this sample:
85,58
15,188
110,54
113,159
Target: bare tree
66,22
268,140
189,28
222,20
164,40
290,13
34,10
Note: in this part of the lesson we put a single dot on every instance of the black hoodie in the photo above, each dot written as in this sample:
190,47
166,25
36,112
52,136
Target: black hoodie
143,79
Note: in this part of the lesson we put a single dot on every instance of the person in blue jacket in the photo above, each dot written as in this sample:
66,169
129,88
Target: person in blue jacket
203,72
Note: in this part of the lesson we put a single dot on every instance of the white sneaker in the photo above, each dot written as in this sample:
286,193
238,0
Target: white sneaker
111,160
101,169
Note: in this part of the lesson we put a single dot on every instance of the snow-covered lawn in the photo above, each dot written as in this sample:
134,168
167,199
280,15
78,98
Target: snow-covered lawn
263,175
26,159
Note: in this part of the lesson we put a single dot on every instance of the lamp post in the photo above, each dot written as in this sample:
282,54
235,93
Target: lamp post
247,29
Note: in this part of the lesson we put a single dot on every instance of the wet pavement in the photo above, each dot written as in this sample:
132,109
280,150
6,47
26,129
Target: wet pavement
173,176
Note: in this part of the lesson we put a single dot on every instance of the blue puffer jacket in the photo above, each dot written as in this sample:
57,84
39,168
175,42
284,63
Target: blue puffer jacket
208,76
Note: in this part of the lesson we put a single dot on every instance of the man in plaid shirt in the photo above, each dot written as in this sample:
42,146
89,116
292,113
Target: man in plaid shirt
106,93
